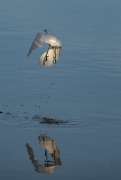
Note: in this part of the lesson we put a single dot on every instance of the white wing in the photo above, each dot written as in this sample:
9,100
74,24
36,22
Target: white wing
52,40
38,42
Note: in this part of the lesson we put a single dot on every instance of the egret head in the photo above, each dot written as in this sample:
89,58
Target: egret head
47,31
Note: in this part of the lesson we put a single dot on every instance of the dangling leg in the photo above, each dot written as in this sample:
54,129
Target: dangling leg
55,53
47,53
59,50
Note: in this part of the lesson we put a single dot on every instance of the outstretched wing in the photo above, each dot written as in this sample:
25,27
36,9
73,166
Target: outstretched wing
38,42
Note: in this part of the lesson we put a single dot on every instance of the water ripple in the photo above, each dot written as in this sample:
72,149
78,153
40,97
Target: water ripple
54,121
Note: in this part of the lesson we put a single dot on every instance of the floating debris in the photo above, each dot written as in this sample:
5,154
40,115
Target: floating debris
46,120
53,121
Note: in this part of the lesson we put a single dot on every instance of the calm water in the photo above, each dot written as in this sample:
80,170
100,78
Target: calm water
82,91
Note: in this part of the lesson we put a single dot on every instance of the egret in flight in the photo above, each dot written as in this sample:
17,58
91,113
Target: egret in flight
54,47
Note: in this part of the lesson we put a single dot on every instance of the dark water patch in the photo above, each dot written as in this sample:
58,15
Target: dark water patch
14,119
12,115
54,121
1,112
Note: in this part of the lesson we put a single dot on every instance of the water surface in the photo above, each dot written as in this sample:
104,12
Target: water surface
82,91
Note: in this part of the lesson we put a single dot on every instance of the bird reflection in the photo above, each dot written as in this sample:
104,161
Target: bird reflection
50,148
52,57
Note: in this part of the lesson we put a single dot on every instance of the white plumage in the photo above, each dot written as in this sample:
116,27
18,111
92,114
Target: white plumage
51,56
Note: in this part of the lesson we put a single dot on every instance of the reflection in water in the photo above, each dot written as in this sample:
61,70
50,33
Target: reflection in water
50,147
52,57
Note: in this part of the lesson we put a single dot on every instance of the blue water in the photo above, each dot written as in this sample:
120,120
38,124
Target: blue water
83,88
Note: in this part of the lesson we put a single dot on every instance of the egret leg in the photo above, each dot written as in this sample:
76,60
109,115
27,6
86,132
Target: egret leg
55,53
47,53
59,50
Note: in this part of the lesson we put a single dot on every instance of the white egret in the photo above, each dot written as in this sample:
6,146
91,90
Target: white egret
54,47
